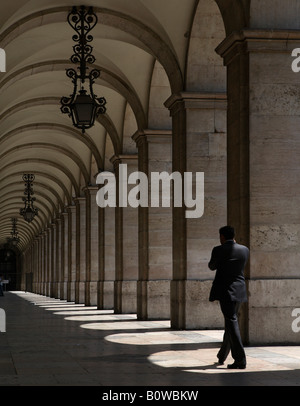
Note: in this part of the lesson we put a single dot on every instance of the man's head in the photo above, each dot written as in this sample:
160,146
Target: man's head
226,233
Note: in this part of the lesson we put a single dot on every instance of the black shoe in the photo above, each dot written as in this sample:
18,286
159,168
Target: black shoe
236,365
220,362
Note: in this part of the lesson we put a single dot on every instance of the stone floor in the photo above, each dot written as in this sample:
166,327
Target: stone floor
49,342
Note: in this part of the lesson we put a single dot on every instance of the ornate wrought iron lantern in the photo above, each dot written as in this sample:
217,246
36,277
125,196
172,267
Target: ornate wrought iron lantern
29,211
14,240
83,106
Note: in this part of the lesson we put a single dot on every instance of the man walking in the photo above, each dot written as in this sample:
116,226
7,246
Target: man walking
229,259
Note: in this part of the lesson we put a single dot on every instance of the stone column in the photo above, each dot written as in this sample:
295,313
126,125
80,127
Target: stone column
48,261
155,230
53,259
41,261
126,226
42,277
33,258
198,145
35,247
38,264
72,236
34,264
64,254
58,256
45,242
93,250
80,249
101,302
108,267
31,264
263,175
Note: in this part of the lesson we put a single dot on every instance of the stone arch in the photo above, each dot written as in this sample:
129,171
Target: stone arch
26,232
129,128
38,222
54,147
118,83
108,154
150,39
56,180
205,71
158,116
94,170
235,13
15,195
50,163
86,139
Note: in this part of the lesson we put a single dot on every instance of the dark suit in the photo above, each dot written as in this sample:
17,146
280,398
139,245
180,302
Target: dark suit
229,287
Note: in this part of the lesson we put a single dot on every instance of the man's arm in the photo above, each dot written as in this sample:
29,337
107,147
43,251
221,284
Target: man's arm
213,263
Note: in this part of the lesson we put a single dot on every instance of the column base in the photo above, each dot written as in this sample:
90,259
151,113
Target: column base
125,297
153,300
105,295
190,307
80,292
91,293
274,310
71,291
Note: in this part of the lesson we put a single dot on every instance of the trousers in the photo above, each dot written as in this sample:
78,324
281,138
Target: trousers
232,338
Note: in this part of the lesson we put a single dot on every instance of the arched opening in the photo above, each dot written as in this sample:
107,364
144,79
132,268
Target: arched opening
9,269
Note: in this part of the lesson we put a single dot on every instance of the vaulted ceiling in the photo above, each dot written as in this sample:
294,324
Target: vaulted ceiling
142,48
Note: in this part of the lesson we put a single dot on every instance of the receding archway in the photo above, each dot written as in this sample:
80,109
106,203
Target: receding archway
9,271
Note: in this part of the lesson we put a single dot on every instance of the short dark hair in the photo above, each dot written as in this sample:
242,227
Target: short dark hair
227,232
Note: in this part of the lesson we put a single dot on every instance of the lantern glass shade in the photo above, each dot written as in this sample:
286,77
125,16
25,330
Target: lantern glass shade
28,215
84,110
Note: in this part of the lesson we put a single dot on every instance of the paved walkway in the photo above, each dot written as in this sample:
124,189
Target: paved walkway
56,343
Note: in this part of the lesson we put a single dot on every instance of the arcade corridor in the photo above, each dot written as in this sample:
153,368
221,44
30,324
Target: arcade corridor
118,293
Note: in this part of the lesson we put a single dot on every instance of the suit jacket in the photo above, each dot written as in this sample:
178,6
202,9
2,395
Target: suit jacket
229,259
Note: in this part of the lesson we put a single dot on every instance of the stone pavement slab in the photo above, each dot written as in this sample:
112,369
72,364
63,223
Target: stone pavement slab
51,342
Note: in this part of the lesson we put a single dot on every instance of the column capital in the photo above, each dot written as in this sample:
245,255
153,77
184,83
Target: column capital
64,214
79,200
91,190
116,160
195,100
155,136
57,220
259,40
71,209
